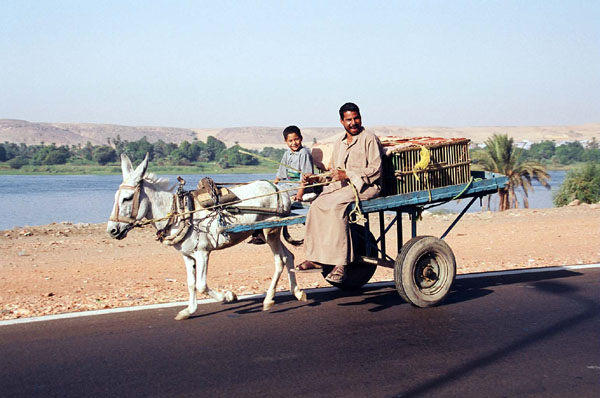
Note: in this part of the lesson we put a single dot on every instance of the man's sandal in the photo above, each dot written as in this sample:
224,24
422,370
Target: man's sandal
337,275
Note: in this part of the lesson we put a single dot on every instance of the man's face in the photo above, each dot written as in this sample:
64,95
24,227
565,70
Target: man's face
352,122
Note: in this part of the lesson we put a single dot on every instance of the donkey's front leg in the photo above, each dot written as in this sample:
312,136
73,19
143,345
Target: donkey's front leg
190,267
201,258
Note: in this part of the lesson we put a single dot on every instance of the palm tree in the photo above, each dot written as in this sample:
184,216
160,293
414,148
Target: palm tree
501,156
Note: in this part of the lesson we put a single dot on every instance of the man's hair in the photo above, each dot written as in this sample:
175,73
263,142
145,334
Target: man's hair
290,130
348,107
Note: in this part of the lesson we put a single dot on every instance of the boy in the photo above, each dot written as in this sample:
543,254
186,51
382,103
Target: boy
298,158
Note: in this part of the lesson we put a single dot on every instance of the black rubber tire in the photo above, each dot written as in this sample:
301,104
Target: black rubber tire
424,271
358,273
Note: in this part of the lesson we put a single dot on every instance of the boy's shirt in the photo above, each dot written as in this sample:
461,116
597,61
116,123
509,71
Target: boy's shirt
299,160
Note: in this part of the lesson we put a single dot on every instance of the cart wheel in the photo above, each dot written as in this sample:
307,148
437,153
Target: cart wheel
424,271
358,273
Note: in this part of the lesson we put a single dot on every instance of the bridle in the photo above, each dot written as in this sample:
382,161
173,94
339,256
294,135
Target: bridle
132,219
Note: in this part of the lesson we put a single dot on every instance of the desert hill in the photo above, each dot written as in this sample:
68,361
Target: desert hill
30,133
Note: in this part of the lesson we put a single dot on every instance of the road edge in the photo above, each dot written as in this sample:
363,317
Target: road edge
70,315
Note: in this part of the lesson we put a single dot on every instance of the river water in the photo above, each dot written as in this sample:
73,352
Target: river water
42,199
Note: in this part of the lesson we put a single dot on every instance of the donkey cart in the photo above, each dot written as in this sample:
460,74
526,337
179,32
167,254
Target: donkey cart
424,268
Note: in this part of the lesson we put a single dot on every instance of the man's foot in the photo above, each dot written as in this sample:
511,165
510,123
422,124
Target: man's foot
307,266
337,275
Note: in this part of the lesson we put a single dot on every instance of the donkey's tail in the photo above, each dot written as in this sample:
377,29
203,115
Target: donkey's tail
289,239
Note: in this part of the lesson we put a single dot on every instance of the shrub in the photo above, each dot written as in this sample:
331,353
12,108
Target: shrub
17,163
582,183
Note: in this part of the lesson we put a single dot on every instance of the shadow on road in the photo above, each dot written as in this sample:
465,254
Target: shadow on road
382,297
546,284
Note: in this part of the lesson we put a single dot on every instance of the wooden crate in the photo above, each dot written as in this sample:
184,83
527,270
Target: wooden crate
449,164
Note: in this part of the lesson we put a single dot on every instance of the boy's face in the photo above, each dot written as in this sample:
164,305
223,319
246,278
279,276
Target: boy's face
294,142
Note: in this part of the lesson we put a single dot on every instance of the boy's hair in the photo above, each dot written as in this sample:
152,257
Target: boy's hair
348,107
290,130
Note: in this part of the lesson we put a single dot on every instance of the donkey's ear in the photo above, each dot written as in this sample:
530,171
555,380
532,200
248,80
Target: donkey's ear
140,171
126,166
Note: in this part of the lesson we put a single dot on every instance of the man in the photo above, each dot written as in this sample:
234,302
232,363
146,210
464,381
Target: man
356,160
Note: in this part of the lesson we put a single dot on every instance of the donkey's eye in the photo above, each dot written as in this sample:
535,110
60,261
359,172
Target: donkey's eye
127,199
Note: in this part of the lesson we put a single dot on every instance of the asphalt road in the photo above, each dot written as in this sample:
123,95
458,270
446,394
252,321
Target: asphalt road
528,335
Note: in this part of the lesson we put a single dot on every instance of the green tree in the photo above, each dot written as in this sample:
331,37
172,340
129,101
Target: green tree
501,156
104,154
2,154
136,150
591,155
87,152
582,183
541,151
272,153
50,154
233,157
569,152
162,150
214,147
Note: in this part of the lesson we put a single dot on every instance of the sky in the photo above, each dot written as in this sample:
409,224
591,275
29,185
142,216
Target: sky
217,64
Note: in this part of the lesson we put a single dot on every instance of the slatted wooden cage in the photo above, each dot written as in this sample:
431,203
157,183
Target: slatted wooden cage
449,164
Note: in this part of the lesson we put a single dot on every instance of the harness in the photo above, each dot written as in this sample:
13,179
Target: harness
219,202
135,200
182,204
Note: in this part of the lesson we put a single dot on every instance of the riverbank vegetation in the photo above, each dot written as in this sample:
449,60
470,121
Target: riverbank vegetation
208,157
214,157
501,156
581,183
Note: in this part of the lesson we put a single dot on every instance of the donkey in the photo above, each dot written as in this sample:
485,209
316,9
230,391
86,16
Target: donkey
143,195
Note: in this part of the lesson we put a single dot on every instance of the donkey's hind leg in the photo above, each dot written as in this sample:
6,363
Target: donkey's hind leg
289,265
282,256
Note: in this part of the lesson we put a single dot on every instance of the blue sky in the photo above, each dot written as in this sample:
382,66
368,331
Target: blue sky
204,64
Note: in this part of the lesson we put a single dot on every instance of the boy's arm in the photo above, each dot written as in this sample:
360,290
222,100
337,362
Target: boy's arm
306,162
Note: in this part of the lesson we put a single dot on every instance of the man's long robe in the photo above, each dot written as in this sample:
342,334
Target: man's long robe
327,238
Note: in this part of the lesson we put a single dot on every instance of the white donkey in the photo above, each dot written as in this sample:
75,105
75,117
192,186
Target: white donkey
143,195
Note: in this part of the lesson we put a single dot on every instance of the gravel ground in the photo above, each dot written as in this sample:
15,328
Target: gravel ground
65,267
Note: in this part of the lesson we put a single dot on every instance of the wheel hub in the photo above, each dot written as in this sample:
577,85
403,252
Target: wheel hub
427,272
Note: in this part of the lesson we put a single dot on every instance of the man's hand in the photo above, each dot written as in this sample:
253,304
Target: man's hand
338,175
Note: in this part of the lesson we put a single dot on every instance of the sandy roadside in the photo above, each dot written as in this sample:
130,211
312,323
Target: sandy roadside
62,268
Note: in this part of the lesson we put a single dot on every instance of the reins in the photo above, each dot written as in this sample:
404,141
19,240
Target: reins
355,215
220,205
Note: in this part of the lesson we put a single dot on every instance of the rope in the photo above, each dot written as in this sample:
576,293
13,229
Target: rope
281,164
269,160
422,165
458,195
356,216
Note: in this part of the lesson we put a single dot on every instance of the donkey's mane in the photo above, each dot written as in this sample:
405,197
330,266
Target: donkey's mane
158,183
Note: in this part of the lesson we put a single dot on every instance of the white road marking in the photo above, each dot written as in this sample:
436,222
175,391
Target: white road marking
257,296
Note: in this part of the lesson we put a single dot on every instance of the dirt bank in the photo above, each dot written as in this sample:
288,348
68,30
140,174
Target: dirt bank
61,268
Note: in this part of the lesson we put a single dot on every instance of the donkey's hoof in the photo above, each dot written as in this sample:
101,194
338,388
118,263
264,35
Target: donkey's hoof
230,297
183,314
267,305
301,296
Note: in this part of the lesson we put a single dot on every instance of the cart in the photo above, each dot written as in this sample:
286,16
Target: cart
424,268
